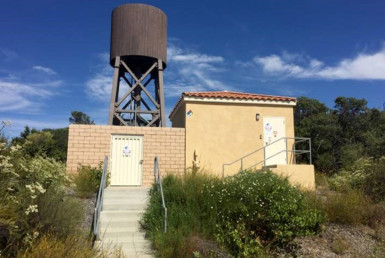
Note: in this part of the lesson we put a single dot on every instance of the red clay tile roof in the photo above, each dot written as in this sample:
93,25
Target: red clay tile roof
232,95
236,95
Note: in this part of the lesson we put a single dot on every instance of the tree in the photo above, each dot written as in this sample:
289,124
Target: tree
78,117
39,143
352,116
60,137
341,135
307,107
24,135
315,120
48,142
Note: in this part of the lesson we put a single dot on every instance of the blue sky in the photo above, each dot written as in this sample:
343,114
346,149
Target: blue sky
54,54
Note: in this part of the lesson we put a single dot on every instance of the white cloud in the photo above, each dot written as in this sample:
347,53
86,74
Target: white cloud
24,97
363,67
192,71
99,86
46,70
175,54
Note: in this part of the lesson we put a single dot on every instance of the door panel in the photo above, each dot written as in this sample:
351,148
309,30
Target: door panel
126,160
274,128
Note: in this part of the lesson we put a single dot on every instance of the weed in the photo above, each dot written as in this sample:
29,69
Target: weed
87,180
49,246
350,207
340,245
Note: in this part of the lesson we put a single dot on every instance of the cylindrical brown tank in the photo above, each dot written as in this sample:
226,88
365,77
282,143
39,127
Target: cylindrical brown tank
138,31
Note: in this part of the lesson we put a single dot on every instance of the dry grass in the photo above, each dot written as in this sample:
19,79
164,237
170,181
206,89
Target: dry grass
340,245
48,246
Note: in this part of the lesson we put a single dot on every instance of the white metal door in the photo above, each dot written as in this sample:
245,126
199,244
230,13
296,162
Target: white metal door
274,128
126,159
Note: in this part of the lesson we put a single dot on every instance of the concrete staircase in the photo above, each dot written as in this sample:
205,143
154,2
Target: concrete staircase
119,221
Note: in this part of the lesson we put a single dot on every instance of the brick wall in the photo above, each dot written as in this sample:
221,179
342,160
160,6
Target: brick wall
88,144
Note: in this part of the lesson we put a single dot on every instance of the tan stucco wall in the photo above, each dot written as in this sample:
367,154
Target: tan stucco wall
298,175
88,144
222,133
179,118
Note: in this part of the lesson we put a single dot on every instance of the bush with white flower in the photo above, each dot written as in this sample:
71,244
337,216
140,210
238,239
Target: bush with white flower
244,213
25,183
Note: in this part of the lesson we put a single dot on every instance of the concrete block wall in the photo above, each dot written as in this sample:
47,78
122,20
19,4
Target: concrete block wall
89,144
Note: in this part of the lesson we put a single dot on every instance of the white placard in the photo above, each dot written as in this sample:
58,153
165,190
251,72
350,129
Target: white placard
127,150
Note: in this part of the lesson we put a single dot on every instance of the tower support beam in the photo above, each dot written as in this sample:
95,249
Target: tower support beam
125,104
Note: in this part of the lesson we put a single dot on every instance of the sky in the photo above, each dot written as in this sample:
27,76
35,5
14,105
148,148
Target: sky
54,53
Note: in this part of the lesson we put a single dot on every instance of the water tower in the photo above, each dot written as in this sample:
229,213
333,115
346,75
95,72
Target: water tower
138,55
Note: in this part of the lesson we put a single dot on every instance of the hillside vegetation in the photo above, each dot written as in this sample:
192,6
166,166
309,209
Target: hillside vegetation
245,214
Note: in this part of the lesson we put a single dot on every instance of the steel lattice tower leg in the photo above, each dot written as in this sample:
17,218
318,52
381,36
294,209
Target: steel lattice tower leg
137,106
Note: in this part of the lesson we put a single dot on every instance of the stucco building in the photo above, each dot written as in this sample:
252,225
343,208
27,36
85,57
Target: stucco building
219,132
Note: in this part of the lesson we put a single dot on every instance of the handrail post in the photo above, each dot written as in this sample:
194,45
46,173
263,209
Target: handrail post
99,200
223,171
241,164
310,151
264,157
158,182
287,153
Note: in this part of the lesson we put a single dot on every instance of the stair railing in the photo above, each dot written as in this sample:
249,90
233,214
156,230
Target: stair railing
295,151
99,200
158,181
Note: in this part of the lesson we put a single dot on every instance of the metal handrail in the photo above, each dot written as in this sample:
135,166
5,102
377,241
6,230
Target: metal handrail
158,181
99,200
296,140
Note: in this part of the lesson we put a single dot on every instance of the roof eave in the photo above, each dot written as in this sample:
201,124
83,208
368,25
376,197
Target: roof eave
184,99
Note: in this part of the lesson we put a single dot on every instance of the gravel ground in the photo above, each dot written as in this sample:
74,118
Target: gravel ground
339,241
89,204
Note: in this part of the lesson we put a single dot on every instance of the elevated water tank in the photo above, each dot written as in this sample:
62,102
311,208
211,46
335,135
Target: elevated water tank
138,32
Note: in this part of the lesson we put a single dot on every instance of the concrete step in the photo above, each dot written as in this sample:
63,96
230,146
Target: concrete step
118,232
137,235
126,190
118,223
119,226
142,244
137,253
124,206
120,214
142,198
124,201
129,249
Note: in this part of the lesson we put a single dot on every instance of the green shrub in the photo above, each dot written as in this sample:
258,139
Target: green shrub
244,213
374,184
349,153
262,208
87,180
365,174
32,199
182,200
352,178
59,214
325,163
